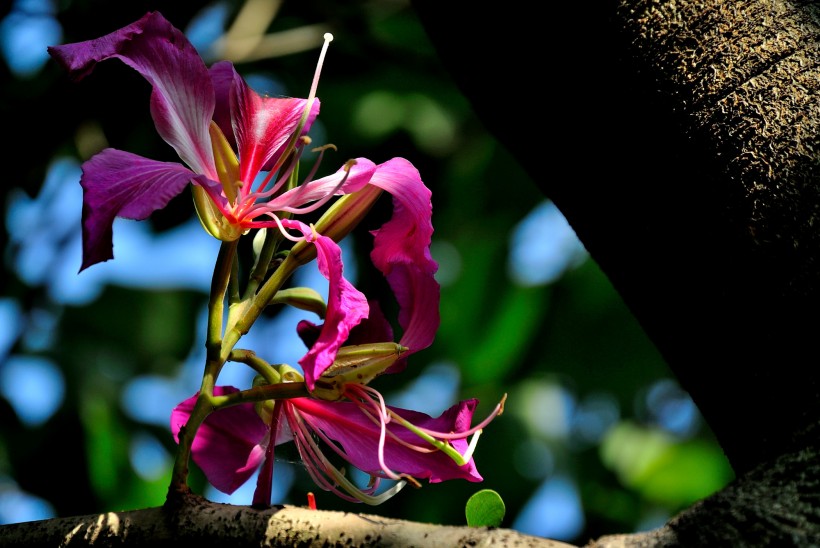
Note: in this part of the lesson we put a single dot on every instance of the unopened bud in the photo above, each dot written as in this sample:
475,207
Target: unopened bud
303,298
359,364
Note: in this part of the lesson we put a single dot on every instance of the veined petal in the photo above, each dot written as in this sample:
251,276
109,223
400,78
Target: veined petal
182,100
263,126
418,294
374,328
401,250
228,446
120,184
346,305
358,438
222,75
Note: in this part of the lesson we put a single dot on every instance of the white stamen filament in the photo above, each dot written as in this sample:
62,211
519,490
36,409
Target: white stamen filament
314,86
284,231
316,462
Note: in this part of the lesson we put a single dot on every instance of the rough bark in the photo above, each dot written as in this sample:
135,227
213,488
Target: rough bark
680,140
197,522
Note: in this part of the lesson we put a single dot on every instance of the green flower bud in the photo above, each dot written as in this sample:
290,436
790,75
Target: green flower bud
356,364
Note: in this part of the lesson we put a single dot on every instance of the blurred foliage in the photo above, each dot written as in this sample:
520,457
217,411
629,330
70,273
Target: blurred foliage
580,373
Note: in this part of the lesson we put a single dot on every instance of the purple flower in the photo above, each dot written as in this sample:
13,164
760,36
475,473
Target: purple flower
382,441
238,150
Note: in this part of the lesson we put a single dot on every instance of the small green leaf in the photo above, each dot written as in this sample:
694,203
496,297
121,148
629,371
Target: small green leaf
485,509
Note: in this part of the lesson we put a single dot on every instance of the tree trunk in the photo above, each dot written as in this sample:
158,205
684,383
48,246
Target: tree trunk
680,140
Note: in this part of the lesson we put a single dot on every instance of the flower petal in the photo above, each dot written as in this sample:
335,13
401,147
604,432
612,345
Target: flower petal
120,184
182,101
263,125
373,329
228,446
401,250
358,438
222,76
346,305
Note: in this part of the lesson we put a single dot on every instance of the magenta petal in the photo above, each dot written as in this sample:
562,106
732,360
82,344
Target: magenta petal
263,126
182,101
227,446
222,76
358,436
401,250
120,184
346,305
373,329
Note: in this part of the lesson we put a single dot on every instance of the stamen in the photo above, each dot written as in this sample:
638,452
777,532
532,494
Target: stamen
322,201
468,454
284,231
283,177
356,392
499,409
320,469
328,39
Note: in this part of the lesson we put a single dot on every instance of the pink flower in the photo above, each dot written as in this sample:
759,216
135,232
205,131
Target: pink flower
401,251
382,441
238,151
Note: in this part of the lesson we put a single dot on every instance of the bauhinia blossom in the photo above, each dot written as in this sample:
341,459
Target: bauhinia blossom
383,441
238,152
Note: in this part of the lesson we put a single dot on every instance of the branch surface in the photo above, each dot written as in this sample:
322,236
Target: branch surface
194,521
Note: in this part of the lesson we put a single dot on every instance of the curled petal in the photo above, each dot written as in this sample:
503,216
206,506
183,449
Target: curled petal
182,100
401,250
120,184
357,437
229,445
346,305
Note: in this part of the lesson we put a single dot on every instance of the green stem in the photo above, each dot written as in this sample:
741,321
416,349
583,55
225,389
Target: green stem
216,301
213,365
260,269
259,365
280,391
233,293
251,312
202,408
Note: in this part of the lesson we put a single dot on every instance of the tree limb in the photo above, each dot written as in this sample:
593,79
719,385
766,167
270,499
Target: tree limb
194,521
681,140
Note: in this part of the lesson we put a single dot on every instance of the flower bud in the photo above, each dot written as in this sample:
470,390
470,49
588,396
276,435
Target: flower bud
303,298
358,364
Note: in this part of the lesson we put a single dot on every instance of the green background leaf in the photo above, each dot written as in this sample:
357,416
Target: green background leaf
485,509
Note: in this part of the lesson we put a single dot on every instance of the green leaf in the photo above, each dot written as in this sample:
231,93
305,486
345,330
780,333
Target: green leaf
485,509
